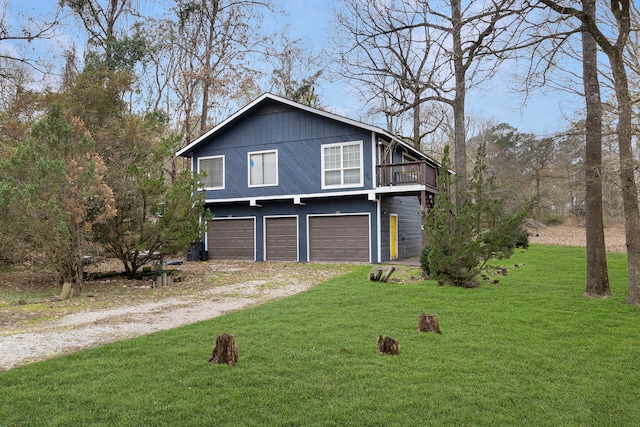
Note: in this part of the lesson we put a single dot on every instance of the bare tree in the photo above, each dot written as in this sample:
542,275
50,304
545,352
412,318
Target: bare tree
30,30
120,44
160,68
614,48
389,53
552,41
410,53
215,38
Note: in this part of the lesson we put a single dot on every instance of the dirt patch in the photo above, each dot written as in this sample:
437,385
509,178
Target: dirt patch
576,236
113,309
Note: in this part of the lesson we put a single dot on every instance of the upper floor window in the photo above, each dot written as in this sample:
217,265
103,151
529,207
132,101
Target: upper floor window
342,165
263,168
214,168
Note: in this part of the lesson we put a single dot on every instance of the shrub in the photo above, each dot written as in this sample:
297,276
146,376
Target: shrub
424,259
521,239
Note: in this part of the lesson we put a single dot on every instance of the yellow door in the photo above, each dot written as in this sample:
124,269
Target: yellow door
393,235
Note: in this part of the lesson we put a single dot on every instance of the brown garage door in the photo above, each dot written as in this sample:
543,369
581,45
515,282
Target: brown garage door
231,239
339,238
281,239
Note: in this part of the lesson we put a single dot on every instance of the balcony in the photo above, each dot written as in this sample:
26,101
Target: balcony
406,174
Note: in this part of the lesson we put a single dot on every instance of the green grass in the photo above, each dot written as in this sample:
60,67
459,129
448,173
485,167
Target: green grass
530,351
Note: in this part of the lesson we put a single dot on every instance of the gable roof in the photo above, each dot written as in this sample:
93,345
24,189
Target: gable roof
267,97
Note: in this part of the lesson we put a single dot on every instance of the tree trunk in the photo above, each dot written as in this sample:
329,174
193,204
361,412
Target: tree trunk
621,11
225,351
207,72
417,111
376,274
627,178
387,274
538,209
460,156
66,292
597,271
615,53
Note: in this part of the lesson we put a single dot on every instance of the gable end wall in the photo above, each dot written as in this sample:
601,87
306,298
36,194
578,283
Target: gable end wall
298,137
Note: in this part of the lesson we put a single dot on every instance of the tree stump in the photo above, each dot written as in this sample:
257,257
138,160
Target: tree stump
429,323
388,345
376,274
225,351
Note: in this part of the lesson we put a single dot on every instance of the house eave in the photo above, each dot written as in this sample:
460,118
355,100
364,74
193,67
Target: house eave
296,199
403,189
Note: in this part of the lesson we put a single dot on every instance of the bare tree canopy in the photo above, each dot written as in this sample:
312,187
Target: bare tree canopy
408,53
30,30
214,40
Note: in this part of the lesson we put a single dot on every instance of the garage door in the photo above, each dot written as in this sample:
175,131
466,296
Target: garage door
281,239
339,238
232,239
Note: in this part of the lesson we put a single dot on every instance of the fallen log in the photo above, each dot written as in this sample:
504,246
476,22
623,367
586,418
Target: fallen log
388,274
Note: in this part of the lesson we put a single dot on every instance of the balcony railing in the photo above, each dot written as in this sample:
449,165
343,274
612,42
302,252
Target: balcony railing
409,173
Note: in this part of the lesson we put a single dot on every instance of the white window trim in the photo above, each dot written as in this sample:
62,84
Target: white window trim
249,168
224,174
322,171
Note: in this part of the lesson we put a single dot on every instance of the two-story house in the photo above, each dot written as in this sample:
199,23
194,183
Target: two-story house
287,182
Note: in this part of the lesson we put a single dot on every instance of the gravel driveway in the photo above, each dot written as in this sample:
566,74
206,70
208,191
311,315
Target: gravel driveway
24,344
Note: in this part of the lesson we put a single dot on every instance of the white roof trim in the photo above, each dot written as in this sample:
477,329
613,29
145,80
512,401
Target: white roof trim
294,104
296,198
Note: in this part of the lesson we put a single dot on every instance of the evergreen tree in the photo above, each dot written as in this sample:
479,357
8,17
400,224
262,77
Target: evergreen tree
53,194
157,213
461,239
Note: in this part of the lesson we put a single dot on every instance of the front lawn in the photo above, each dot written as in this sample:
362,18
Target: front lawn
528,351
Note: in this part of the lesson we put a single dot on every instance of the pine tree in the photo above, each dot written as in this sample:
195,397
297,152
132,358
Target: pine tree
461,239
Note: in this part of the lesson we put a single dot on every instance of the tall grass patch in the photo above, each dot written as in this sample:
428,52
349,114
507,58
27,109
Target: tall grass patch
528,351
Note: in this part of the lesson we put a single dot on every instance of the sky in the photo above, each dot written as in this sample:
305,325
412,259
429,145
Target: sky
540,113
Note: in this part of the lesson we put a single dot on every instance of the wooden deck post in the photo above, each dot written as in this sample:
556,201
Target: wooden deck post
423,210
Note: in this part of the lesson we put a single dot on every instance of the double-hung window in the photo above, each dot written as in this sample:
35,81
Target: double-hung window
342,165
263,168
213,167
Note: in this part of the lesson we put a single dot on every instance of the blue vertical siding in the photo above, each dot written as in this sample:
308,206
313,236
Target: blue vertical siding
409,226
297,135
